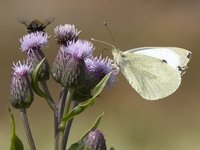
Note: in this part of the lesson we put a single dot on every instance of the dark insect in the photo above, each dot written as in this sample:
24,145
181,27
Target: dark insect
36,25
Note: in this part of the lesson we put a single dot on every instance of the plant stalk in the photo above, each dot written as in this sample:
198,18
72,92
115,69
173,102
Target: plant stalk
68,100
49,99
56,132
67,129
27,129
62,102
53,106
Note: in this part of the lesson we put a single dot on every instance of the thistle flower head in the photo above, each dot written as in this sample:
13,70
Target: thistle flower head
66,33
31,44
21,94
32,41
80,49
95,141
96,69
20,69
69,65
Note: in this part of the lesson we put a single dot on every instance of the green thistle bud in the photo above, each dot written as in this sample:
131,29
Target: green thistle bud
21,94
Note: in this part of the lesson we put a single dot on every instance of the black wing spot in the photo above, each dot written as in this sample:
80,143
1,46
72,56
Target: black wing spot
180,68
189,55
164,61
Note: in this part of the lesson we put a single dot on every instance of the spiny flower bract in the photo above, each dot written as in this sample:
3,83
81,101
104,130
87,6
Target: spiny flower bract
21,94
95,141
69,65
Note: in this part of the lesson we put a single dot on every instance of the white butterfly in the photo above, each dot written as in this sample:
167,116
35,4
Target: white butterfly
154,72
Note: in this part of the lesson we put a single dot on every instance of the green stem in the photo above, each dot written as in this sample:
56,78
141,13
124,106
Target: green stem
67,129
53,106
56,132
49,99
69,99
62,102
27,129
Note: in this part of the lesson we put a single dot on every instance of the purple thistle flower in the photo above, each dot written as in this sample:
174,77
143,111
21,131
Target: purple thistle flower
66,33
81,49
95,141
69,66
96,69
21,94
21,68
33,41
99,67
31,44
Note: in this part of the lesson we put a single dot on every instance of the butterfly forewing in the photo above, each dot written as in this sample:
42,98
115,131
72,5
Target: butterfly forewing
151,77
173,56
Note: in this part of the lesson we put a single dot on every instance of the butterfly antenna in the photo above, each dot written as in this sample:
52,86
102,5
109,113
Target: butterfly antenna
110,33
112,37
103,42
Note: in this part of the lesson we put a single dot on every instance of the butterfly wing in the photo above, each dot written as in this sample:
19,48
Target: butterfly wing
152,78
174,56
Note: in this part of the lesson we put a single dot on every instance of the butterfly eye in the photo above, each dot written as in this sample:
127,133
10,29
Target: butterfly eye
123,56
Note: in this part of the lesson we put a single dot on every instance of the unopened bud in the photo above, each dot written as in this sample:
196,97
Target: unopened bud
95,141
21,94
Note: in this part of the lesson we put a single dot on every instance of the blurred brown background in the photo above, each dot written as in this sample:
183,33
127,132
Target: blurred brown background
129,122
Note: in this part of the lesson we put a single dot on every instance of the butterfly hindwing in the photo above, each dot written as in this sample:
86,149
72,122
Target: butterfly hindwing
152,78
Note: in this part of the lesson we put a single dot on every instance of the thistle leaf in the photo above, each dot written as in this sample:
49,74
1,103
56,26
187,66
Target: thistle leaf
81,107
16,143
34,80
94,126
80,144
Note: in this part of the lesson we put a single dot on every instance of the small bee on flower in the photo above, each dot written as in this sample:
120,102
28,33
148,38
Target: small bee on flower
36,25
